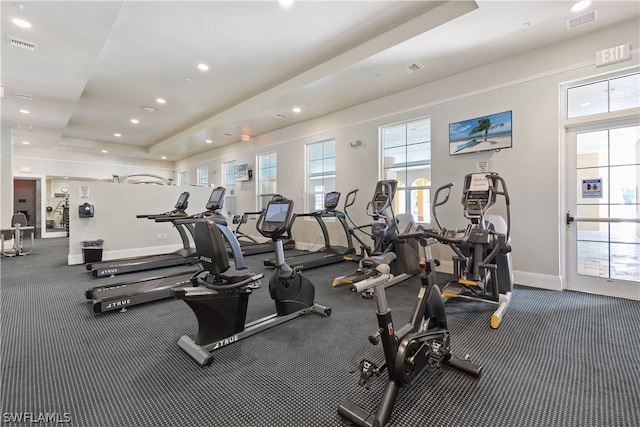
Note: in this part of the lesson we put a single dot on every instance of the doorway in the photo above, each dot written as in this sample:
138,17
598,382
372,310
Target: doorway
24,199
602,192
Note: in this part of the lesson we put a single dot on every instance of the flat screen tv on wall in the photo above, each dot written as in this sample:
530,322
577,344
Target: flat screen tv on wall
484,133
242,172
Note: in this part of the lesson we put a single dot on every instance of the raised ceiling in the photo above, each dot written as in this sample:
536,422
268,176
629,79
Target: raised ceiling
93,66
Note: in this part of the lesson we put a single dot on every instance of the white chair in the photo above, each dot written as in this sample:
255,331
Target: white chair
15,236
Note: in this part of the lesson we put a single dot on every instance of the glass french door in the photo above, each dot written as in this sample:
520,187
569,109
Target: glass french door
603,218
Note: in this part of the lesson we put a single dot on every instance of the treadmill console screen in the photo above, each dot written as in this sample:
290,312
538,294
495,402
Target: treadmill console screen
216,199
331,200
183,201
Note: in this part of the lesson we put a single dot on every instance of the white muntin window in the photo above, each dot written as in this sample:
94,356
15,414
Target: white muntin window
406,157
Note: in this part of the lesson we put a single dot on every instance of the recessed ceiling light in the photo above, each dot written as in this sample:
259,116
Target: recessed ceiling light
285,3
581,5
203,67
24,111
135,121
161,100
104,151
117,135
208,141
21,23
297,109
25,142
164,157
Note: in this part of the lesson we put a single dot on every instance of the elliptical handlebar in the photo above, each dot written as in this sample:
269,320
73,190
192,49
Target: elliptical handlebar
436,203
443,236
505,194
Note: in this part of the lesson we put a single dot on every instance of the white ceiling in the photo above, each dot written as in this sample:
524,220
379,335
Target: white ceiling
99,63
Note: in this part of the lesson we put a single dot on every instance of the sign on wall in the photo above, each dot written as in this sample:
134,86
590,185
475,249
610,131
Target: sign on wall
592,188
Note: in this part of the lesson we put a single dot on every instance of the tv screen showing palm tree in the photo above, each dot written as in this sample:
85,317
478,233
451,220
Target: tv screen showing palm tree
481,134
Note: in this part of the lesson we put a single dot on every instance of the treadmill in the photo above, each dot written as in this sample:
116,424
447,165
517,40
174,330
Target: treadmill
328,254
184,256
122,295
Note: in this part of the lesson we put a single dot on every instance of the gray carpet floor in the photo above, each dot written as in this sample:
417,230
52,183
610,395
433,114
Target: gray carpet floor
558,359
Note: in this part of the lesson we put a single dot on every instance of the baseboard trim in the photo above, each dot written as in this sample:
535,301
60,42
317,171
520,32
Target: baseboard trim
523,278
74,259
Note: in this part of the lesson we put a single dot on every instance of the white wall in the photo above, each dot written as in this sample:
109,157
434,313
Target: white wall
47,163
114,221
528,84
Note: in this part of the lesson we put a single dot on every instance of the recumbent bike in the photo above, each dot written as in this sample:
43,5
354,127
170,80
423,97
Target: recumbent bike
219,297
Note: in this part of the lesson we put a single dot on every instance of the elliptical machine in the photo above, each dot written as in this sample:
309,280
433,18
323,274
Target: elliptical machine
219,297
420,346
482,263
384,232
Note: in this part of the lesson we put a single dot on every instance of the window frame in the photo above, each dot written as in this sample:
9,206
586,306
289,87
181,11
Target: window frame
325,174
407,192
199,176
272,182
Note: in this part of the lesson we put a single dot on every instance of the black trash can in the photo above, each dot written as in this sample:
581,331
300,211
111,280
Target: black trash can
92,250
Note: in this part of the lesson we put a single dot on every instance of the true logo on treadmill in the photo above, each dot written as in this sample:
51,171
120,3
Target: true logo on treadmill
120,303
226,341
205,259
107,272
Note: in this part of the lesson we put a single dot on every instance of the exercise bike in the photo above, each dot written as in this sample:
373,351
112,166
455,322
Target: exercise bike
219,297
421,346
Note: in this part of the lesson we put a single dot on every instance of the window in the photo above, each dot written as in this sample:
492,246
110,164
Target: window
230,185
616,94
267,178
182,178
203,176
321,172
406,151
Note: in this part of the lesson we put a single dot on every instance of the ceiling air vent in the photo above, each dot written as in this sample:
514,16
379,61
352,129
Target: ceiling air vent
22,44
416,66
582,19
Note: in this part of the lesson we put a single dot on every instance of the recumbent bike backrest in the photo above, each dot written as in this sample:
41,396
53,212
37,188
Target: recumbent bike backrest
210,247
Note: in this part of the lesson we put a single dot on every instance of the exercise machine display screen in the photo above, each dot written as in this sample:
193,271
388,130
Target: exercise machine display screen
276,213
331,200
277,217
383,196
478,195
216,199
182,201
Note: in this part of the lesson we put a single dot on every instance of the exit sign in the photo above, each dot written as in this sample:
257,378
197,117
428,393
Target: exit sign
613,55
